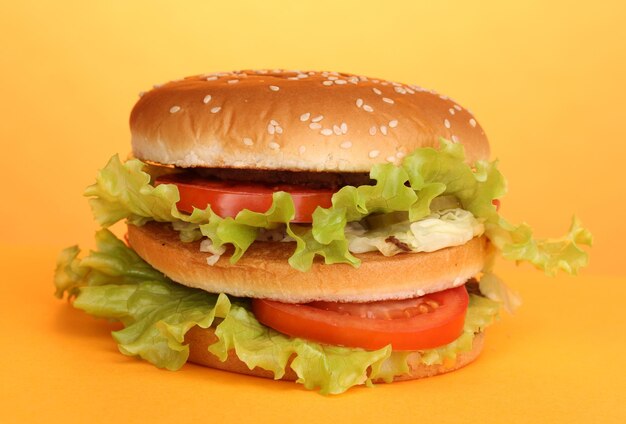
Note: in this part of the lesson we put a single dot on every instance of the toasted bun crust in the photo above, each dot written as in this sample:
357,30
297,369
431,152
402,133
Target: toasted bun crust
200,339
263,272
291,120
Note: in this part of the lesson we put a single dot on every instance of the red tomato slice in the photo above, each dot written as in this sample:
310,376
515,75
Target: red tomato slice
412,324
228,199
496,203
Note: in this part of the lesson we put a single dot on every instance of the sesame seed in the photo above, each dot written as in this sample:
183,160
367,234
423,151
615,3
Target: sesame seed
274,87
337,129
377,91
451,110
326,131
344,128
141,93
388,100
446,123
305,117
455,139
346,145
472,122
400,90
315,126
216,109
359,102
317,118
279,129
206,99
391,159
271,129
341,82
368,108
457,107
327,83
373,130
302,76
211,78
442,97
372,154
273,145
408,90
273,122
393,123
248,141
233,81
383,129
301,150
332,78
174,109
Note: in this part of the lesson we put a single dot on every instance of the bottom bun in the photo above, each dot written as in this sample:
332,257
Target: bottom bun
200,339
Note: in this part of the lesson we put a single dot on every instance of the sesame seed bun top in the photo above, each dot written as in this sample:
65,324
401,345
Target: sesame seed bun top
292,120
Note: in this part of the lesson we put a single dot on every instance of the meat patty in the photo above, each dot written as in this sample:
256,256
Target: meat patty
333,180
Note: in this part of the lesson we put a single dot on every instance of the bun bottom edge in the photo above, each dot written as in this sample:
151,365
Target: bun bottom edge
200,339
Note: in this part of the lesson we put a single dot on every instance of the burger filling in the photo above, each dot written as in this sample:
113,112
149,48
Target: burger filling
325,220
389,233
431,201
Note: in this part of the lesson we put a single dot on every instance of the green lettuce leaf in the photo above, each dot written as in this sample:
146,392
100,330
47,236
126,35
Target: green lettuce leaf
307,247
332,369
114,283
123,191
243,229
112,263
550,255
156,315
327,235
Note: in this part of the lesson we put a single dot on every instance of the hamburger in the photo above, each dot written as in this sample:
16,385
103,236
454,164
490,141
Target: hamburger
321,227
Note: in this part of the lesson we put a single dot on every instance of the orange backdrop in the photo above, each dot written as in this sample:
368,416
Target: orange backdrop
545,80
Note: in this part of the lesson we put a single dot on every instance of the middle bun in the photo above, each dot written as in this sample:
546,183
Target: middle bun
263,272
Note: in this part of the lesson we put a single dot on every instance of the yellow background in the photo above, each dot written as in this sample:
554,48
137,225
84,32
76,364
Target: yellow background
545,79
